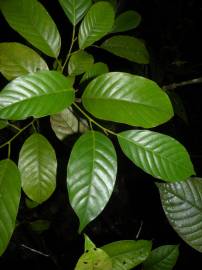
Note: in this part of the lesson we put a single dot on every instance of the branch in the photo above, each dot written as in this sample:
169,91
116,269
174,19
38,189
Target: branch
173,86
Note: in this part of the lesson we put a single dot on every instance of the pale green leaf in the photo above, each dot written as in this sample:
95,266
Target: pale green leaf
130,48
17,59
3,124
94,27
37,94
162,258
91,175
127,254
159,155
38,164
128,99
126,21
80,62
88,244
10,188
31,20
75,9
95,70
182,204
66,123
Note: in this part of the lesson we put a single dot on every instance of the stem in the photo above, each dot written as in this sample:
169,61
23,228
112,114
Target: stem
13,126
173,86
70,48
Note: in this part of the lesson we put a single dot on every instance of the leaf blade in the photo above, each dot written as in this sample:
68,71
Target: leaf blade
95,70
126,21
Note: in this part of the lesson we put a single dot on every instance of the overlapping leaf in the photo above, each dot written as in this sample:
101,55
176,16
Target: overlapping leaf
128,99
9,200
182,204
75,9
159,155
17,59
95,70
127,47
94,27
38,94
91,175
126,21
38,164
32,21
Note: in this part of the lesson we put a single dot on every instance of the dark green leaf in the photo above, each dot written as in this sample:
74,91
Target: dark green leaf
38,164
94,27
75,9
17,59
126,21
127,47
94,71
3,124
112,2
91,175
182,204
162,258
30,19
128,99
127,254
38,94
159,155
10,187
39,225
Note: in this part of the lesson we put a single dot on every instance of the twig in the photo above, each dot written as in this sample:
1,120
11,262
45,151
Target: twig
35,251
173,86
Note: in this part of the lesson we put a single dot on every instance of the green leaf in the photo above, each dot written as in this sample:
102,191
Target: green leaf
95,70
80,62
30,204
127,254
182,204
39,225
91,175
38,164
31,20
159,155
38,94
112,2
3,124
126,21
128,99
75,9
10,188
66,123
88,243
17,59
162,258
94,27
130,48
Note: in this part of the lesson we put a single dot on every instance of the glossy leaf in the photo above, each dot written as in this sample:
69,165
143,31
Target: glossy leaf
95,70
182,204
17,59
38,164
38,94
3,124
126,21
10,187
127,254
75,9
130,48
80,62
159,155
91,175
128,99
162,258
31,20
66,123
93,26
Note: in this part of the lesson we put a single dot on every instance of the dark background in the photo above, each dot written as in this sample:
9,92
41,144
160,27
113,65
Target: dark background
172,32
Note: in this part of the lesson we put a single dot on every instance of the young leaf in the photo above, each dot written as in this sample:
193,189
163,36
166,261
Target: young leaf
10,187
88,244
162,258
130,48
38,164
91,175
112,2
95,70
3,124
75,9
127,254
31,204
126,21
94,27
159,155
182,204
17,59
32,21
128,99
66,123
80,62
38,94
